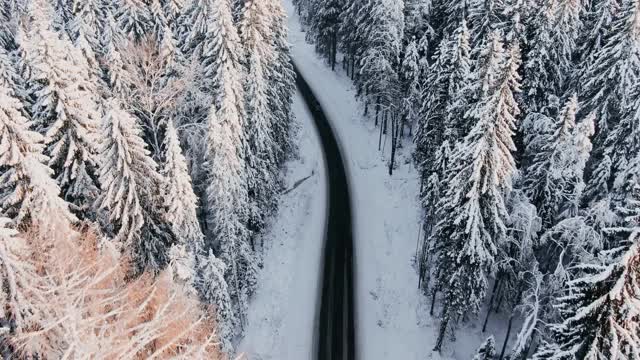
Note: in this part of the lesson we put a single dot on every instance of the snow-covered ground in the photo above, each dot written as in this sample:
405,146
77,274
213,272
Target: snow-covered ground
393,319
281,319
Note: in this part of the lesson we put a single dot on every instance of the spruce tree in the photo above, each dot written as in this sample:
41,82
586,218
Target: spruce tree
28,194
65,111
261,153
214,290
130,186
473,209
553,178
486,351
181,202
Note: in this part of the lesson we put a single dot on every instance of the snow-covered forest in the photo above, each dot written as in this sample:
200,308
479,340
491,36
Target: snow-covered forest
141,147
524,117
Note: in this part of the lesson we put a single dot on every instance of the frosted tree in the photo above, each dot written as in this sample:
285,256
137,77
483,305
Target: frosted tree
134,19
282,83
214,290
473,209
486,351
410,75
65,111
549,64
598,311
261,153
227,205
610,76
27,191
324,29
181,202
130,191
554,177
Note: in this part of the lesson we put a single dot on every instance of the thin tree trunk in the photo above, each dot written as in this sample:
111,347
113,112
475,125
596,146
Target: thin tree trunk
379,137
443,331
493,296
394,142
506,338
377,111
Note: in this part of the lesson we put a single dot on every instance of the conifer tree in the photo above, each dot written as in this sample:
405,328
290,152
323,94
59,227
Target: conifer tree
214,290
473,210
27,191
282,83
549,64
130,191
609,90
261,153
180,200
65,111
486,351
554,178
324,29
134,18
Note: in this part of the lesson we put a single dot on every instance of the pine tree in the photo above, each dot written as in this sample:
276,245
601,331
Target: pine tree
549,65
27,191
410,75
180,200
225,194
261,154
324,29
599,318
130,191
214,290
134,18
282,83
65,111
473,210
486,351
554,178
609,90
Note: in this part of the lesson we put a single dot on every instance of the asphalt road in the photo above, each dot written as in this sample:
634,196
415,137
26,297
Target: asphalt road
335,334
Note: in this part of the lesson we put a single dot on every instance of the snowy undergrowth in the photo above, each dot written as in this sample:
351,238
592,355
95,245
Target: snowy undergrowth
281,317
393,319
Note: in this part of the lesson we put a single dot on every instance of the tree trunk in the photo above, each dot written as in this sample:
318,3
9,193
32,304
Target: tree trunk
377,110
506,338
380,136
493,296
394,142
443,331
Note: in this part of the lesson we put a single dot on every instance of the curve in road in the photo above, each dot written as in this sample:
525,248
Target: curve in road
335,334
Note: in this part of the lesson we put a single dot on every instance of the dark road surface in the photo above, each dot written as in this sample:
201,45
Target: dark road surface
335,337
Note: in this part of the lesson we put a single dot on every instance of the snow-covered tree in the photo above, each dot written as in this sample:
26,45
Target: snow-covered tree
65,111
180,200
28,194
261,153
473,210
599,315
227,204
130,191
214,290
549,65
609,78
324,29
486,351
554,177
134,18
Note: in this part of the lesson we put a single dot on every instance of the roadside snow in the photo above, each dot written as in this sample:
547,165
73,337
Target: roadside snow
392,316
281,318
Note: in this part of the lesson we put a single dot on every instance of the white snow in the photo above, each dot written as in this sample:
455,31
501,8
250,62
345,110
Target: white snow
393,319
281,318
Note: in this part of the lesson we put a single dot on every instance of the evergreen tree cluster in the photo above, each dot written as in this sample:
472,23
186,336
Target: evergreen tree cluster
525,116
164,123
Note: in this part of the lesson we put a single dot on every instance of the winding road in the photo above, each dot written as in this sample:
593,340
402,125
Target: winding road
335,332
